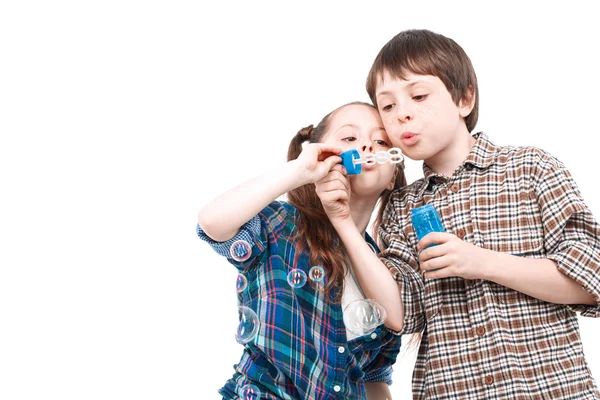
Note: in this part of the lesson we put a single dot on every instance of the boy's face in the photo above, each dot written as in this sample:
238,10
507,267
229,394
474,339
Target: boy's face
420,116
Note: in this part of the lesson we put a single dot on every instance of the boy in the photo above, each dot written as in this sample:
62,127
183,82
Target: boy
496,298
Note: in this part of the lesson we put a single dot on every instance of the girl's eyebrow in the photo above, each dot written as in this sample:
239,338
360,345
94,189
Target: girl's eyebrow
346,125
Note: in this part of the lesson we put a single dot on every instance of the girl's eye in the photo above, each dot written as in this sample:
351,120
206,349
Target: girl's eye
388,107
349,139
420,97
382,143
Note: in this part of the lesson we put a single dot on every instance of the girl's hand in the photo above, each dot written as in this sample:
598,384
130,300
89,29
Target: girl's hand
334,192
316,160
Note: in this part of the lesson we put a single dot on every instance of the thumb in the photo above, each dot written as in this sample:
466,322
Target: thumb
332,161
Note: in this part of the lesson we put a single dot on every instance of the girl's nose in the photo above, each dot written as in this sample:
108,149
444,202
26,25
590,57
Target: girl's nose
367,149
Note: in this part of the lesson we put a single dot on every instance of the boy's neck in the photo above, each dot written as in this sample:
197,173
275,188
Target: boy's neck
449,159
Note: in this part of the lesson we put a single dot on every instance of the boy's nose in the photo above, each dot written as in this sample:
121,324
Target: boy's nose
367,149
404,115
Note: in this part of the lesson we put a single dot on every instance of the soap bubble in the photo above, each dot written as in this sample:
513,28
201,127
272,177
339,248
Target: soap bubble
249,392
296,278
240,250
316,273
240,283
362,317
248,327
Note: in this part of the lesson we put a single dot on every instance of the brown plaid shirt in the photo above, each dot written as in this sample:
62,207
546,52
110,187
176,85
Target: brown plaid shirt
482,340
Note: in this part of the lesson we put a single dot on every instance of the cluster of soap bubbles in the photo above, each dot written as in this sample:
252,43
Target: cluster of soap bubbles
362,317
248,319
393,155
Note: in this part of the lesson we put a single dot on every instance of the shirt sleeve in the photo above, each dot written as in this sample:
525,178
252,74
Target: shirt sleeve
249,246
571,233
380,369
403,264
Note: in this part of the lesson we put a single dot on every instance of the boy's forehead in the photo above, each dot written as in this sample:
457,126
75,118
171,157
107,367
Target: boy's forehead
387,80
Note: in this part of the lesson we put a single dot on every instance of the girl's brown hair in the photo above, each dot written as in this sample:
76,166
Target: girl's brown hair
313,226
422,52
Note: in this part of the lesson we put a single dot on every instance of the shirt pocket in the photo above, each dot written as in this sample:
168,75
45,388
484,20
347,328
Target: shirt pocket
511,224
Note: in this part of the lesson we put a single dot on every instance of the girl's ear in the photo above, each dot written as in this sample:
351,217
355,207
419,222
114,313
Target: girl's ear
467,103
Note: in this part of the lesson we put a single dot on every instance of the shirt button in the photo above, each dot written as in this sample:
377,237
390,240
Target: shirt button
455,188
373,335
337,388
341,349
480,331
460,233
489,380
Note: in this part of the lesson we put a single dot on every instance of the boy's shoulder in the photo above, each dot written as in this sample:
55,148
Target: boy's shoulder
526,155
495,159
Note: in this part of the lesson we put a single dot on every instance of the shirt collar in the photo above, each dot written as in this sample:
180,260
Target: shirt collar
482,155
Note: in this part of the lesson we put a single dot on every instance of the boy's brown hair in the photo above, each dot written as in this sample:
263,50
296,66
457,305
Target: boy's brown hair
423,52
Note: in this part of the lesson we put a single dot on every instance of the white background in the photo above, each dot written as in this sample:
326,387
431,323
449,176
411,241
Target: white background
120,119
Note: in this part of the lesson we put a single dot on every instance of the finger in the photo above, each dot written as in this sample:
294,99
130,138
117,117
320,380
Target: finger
433,238
338,176
435,263
331,176
327,148
438,273
335,195
432,251
332,161
339,168
333,185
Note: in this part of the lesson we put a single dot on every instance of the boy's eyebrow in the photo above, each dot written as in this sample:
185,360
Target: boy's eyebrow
413,83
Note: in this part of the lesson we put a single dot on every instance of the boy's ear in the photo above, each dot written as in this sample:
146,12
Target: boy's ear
467,103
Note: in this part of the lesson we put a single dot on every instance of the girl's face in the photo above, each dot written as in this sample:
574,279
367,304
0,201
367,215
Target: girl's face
359,127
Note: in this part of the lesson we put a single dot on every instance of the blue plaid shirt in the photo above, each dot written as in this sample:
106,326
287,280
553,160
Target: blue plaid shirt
301,350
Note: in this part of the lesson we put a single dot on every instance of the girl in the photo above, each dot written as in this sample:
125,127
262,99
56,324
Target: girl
295,280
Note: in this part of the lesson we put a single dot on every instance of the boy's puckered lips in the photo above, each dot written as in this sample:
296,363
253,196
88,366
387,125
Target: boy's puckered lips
409,138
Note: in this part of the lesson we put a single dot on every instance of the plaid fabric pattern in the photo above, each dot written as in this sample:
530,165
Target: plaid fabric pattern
301,350
482,340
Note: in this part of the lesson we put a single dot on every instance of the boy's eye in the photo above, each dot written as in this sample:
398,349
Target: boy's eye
388,107
420,97
382,143
349,139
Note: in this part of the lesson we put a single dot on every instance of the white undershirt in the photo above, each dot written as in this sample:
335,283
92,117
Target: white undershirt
352,291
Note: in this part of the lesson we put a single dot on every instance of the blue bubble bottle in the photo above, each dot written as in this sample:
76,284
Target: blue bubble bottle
426,219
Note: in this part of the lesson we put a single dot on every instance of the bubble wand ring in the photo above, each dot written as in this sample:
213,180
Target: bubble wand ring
352,161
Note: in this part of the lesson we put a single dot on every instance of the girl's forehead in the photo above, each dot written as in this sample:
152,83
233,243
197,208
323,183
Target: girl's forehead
355,117
355,112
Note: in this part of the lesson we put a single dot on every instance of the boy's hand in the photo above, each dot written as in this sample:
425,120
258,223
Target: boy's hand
334,192
451,257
